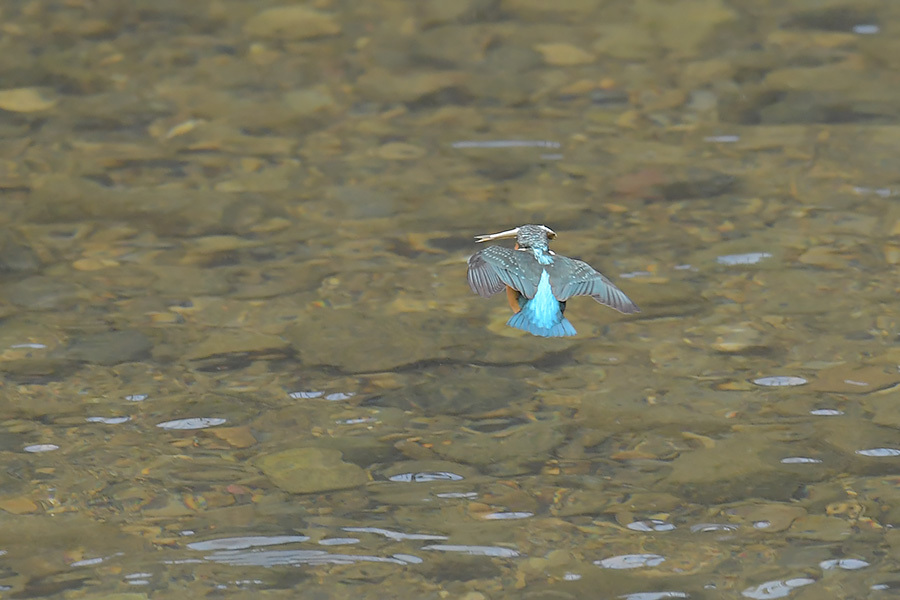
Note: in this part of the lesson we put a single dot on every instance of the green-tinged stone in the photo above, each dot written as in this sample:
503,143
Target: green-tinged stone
729,459
707,17
885,410
235,342
382,86
778,515
532,441
461,390
292,23
16,255
308,101
25,100
581,502
820,527
849,434
310,470
43,293
109,347
27,369
733,468
854,379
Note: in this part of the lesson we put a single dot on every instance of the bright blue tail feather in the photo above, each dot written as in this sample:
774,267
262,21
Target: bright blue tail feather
521,320
542,315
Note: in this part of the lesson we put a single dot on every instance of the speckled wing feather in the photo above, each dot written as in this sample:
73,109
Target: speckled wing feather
570,277
495,267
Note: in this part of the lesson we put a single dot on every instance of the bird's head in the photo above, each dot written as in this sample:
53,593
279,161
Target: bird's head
527,236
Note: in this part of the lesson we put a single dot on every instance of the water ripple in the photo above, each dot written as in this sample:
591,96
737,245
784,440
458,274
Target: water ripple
250,541
780,381
41,448
271,558
751,258
879,452
776,589
650,525
499,516
425,476
654,595
631,561
707,527
395,535
495,551
192,423
847,564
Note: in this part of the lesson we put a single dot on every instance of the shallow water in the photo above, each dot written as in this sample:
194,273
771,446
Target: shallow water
238,354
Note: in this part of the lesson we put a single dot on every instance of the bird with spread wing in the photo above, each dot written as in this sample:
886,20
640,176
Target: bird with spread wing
538,281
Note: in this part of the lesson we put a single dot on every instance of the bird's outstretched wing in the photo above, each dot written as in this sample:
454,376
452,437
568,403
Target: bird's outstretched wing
495,267
570,277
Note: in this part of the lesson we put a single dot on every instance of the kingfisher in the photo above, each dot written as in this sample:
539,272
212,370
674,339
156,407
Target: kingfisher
539,281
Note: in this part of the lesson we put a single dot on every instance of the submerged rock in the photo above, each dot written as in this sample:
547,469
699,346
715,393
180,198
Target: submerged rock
109,347
531,441
292,23
16,256
311,470
696,182
43,293
463,390
25,100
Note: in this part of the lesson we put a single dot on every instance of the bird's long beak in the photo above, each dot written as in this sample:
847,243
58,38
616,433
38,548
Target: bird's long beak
511,233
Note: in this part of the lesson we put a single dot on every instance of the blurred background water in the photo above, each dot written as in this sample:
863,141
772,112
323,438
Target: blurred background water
238,354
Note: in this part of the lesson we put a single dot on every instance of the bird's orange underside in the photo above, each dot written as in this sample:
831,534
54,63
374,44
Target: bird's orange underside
512,295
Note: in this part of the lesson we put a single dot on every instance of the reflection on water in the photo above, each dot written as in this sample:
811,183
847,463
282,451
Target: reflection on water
294,558
776,589
631,561
238,353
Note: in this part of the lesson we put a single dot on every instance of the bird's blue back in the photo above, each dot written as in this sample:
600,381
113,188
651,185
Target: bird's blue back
543,314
